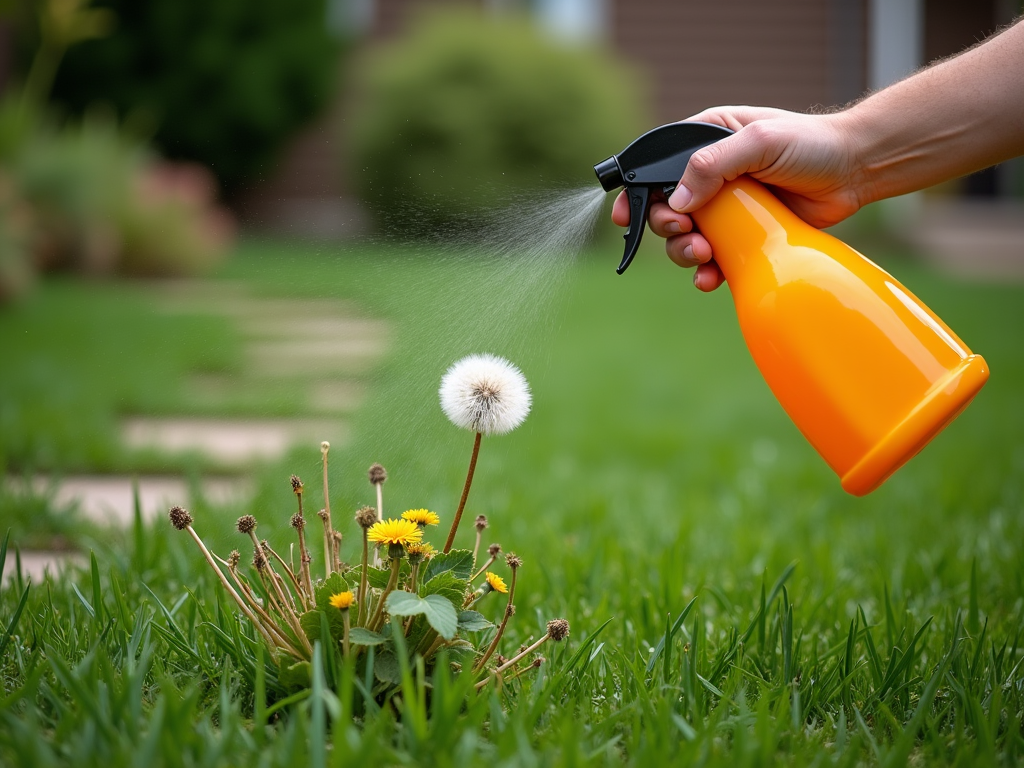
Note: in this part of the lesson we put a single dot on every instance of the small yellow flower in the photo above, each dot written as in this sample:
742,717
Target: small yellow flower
343,600
424,550
391,531
495,582
421,517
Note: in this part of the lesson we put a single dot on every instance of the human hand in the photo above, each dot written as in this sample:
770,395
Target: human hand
808,160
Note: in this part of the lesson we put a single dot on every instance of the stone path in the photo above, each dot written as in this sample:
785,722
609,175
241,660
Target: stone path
973,239
318,349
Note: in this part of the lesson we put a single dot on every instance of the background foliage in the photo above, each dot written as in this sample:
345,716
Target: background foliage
491,109
224,83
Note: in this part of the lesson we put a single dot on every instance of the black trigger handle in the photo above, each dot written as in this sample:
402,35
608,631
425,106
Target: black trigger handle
639,207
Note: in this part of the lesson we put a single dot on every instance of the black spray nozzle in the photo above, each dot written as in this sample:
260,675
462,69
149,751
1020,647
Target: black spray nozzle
655,161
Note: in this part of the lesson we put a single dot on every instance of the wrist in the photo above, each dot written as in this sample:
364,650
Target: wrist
853,132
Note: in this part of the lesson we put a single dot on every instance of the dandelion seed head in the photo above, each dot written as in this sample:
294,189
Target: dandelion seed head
246,524
485,394
366,517
180,518
558,629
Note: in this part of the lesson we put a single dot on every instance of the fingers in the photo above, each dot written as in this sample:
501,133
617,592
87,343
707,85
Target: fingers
667,223
688,250
620,210
708,277
749,150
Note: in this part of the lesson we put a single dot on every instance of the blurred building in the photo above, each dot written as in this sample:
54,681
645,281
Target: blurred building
795,54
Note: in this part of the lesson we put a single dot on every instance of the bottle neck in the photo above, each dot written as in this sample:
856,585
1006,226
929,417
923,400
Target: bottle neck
742,222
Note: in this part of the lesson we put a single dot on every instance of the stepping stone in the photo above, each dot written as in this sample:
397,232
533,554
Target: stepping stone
230,442
109,499
35,566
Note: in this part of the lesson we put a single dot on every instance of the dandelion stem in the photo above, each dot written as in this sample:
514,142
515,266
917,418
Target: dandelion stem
378,615
380,516
328,526
364,599
501,627
483,568
287,569
465,495
476,547
231,590
304,560
345,644
272,629
434,647
520,656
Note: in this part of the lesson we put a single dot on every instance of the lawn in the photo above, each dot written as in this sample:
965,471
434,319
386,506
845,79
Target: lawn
746,610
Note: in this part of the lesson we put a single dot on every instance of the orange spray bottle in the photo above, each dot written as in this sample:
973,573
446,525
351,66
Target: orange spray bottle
867,372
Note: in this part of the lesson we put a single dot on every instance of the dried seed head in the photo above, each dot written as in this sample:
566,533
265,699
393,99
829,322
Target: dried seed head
325,447
233,558
494,550
336,535
366,517
513,561
481,522
296,484
558,629
246,524
538,661
298,522
180,518
259,562
377,474
323,515
265,546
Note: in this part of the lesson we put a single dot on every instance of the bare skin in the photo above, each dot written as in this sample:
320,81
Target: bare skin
950,119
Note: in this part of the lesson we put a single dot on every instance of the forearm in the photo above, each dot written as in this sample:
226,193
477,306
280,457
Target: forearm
954,118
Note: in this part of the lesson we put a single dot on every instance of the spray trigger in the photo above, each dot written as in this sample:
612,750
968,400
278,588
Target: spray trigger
655,161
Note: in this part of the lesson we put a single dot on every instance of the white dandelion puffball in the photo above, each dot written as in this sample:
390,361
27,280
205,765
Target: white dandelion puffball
486,394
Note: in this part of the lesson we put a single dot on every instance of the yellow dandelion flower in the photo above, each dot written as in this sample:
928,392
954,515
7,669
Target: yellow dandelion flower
424,550
391,531
421,517
495,582
343,600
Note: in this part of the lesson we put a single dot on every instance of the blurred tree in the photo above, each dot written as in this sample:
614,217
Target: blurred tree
466,111
223,82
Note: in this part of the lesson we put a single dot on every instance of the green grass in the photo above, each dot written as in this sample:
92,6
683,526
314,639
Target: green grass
756,614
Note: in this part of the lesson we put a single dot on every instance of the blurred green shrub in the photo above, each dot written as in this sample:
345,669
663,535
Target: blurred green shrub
225,82
466,111
84,198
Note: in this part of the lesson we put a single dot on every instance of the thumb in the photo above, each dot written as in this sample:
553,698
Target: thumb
711,166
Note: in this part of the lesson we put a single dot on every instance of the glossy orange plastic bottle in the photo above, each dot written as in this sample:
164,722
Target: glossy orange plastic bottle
866,371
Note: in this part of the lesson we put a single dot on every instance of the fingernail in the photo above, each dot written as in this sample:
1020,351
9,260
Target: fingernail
680,198
673,228
688,253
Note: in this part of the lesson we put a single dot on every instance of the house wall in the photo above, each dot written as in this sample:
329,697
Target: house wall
797,54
